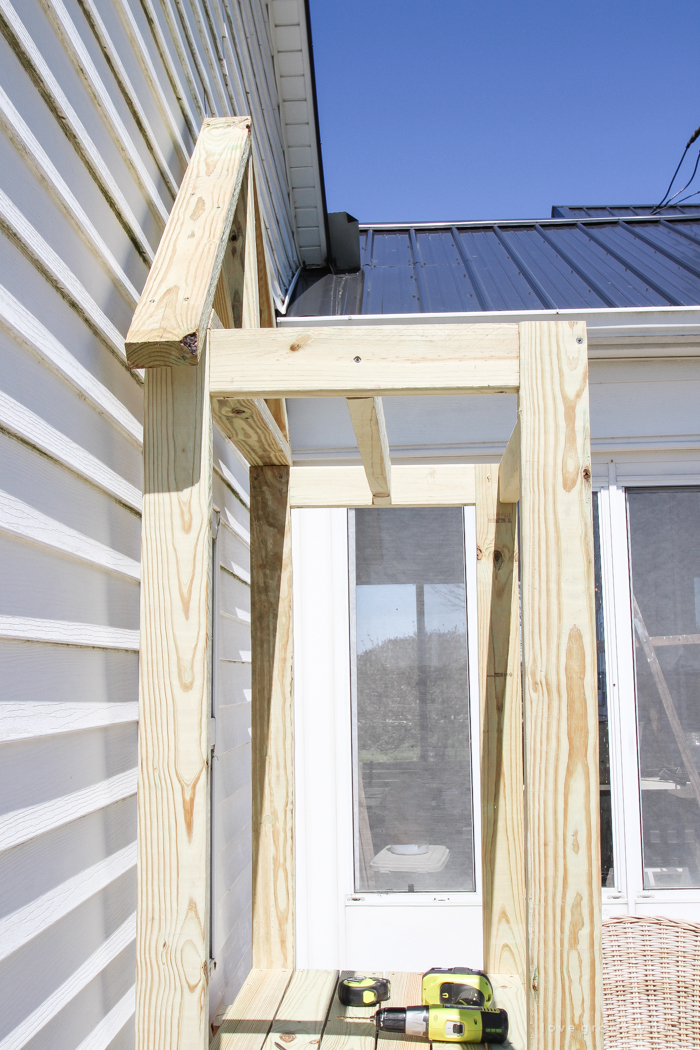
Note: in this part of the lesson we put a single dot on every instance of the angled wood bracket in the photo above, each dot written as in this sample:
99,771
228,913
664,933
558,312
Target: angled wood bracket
367,415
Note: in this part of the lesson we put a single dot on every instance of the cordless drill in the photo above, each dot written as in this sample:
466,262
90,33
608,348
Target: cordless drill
445,1024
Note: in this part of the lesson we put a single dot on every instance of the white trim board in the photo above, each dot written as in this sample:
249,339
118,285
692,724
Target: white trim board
290,36
29,720
22,825
23,925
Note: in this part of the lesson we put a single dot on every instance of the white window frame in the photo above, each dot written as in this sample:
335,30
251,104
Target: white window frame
628,896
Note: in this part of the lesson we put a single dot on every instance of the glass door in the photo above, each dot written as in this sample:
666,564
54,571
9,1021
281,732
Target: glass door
664,537
411,737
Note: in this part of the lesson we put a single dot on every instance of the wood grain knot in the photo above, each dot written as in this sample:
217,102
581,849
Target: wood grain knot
190,343
300,341
586,473
287,1037
229,409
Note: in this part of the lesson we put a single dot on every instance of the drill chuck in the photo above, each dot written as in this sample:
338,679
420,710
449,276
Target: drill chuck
393,1018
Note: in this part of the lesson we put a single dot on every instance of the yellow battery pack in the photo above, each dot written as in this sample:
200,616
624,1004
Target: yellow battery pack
449,1024
456,986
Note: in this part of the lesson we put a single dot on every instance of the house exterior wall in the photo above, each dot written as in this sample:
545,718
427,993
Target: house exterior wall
644,373
99,107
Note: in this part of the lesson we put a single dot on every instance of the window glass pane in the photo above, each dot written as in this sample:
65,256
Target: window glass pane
606,837
411,738
664,527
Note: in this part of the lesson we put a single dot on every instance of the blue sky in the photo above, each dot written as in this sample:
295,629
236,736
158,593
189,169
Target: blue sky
495,109
389,611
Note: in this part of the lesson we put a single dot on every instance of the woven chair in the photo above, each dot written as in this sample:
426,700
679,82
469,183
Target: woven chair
651,984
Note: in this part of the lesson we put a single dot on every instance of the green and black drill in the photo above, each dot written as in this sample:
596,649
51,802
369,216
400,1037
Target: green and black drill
445,1024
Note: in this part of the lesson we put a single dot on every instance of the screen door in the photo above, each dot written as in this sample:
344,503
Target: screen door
412,777
664,525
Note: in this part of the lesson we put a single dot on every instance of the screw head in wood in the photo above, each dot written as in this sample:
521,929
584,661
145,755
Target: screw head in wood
579,339
357,360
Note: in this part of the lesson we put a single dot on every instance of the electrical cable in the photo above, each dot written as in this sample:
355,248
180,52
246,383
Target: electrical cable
690,142
684,199
686,185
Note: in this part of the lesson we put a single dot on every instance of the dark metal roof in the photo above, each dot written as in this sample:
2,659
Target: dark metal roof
597,211
528,265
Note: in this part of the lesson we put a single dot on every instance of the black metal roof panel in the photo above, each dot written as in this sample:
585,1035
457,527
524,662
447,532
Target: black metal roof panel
598,211
533,265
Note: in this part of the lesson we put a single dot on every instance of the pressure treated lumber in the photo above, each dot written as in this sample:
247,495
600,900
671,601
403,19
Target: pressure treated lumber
406,990
366,362
509,995
303,1011
343,1029
250,425
172,1008
559,690
265,301
257,428
272,718
229,294
244,1024
414,485
502,816
171,318
265,317
367,415
250,306
509,473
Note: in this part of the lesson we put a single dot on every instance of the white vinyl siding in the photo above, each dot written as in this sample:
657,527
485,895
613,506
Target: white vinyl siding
99,107
231,927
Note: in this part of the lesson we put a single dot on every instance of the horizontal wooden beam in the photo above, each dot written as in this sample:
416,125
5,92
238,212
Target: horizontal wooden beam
365,362
171,318
433,485
367,415
509,473
251,426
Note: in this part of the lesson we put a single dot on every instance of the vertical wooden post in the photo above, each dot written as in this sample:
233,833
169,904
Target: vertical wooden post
272,715
502,831
172,952
559,690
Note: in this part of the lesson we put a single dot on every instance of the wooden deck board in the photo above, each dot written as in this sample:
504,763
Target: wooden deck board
302,1014
350,1035
274,1005
245,1023
405,991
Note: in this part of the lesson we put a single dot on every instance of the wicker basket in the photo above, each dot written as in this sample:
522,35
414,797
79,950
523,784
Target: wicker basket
651,984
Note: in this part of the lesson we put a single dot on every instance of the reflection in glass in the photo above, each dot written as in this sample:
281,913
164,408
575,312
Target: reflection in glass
664,527
411,738
606,836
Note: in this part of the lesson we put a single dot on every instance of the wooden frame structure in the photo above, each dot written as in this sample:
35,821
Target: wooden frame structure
203,332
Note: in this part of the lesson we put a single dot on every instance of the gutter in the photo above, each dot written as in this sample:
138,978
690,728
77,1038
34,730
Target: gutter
283,308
